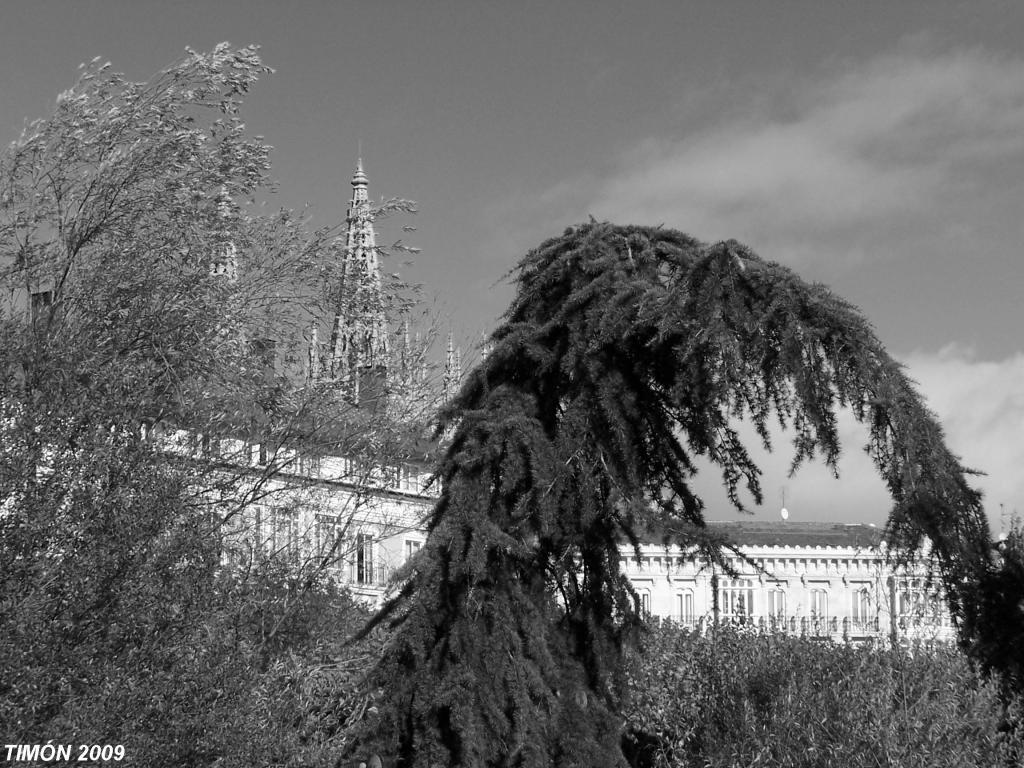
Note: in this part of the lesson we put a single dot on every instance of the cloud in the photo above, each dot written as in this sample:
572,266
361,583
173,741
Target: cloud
911,153
880,145
981,407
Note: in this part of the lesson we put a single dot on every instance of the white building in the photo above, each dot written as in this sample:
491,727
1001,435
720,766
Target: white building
822,580
354,523
817,579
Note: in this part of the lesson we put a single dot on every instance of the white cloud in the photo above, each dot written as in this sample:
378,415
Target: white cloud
981,407
910,153
877,145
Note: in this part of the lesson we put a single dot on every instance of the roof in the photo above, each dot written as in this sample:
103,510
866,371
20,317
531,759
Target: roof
798,534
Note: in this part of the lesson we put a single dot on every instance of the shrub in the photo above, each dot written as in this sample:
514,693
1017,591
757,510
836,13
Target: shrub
731,698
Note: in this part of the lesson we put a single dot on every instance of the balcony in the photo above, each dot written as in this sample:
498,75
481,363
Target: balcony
365,575
834,627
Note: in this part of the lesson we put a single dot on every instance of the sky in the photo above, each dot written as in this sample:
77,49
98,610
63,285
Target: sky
876,147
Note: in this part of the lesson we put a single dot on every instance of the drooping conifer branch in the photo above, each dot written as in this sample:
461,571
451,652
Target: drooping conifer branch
627,353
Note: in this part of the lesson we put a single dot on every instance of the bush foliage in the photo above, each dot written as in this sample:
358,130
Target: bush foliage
251,672
731,698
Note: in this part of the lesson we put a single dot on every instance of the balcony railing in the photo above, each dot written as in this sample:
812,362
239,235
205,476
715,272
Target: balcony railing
861,626
809,626
359,574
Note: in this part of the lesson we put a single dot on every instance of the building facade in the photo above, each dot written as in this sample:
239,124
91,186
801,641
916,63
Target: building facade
821,580
817,579
356,524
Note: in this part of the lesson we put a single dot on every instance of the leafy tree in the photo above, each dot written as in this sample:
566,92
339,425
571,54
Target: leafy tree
152,340
627,352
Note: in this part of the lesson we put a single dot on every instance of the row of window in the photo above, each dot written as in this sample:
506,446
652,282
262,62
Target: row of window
354,552
736,600
405,478
349,553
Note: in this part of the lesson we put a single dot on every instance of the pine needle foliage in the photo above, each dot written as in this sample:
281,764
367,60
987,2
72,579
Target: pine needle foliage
628,352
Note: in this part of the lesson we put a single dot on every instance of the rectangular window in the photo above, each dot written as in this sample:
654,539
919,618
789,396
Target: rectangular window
391,476
328,532
364,559
776,602
684,607
736,598
410,482
279,532
818,602
645,602
861,608
412,546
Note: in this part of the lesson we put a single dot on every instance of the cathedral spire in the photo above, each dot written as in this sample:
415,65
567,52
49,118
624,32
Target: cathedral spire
358,353
360,239
452,377
359,184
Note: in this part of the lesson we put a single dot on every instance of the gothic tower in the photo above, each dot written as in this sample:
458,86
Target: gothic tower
357,358
452,378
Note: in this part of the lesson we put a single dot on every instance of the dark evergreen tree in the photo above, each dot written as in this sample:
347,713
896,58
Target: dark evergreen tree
627,352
